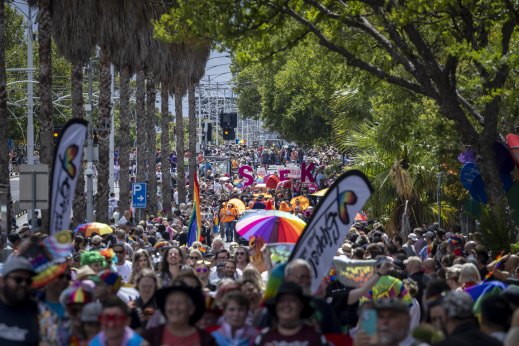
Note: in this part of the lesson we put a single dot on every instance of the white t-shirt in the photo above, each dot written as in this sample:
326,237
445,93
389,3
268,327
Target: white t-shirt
124,270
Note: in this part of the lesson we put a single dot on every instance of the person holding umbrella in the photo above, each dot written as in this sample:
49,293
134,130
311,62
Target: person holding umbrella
182,306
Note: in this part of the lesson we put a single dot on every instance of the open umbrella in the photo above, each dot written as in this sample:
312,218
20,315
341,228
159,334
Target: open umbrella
272,225
272,182
238,204
93,227
361,216
303,202
285,184
320,193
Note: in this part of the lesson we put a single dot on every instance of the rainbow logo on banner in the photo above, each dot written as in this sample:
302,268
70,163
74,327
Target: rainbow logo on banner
195,222
68,157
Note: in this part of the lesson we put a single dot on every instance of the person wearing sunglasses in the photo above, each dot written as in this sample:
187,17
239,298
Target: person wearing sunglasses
194,256
114,320
202,271
18,311
241,256
123,267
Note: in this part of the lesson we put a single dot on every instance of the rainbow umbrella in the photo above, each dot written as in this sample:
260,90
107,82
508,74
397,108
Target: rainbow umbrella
93,227
272,225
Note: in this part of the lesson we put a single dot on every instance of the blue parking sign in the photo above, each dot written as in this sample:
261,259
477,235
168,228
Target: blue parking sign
139,195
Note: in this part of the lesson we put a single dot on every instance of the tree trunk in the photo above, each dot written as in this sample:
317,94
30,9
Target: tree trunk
45,87
165,150
151,136
179,133
5,198
103,130
124,138
140,133
78,111
192,138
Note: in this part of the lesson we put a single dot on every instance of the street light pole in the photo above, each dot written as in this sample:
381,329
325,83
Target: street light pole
90,149
30,101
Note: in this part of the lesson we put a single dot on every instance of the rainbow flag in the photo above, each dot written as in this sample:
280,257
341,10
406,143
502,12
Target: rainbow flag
195,222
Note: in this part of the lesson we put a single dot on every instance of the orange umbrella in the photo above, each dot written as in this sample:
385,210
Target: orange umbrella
238,204
303,202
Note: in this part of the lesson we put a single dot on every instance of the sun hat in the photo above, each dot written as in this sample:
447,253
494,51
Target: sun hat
194,294
294,289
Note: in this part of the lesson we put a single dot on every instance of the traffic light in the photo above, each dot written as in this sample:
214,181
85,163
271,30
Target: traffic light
228,134
56,133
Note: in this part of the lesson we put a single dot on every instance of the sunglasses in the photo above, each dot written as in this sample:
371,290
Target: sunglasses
201,270
240,253
118,252
115,318
20,280
194,258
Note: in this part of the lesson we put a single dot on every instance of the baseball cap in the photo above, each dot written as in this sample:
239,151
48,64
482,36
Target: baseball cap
412,236
91,312
391,304
429,235
17,263
110,278
97,239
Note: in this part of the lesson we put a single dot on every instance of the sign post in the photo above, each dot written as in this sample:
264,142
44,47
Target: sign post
139,191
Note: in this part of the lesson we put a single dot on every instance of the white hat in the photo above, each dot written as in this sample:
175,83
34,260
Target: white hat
412,236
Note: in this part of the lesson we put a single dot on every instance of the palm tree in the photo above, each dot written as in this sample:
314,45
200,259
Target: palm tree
74,27
5,199
104,119
140,133
179,145
151,137
123,32
192,137
165,150
124,144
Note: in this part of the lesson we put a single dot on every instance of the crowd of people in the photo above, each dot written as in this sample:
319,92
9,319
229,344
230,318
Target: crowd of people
143,284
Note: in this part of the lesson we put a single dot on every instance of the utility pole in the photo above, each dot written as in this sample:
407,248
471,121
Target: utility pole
90,149
30,101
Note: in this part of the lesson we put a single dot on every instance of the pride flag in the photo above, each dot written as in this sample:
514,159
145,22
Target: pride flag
195,222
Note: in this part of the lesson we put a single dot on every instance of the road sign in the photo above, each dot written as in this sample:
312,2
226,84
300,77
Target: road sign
139,195
34,186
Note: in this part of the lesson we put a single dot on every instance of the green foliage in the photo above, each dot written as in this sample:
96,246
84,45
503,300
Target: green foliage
16,57
292,93
394,140
495,232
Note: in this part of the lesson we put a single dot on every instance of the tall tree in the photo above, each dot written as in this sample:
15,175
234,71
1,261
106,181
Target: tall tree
460,55
103,129
151,136
124,144
179,146
192,136
74,29
140,132
5,184
165,149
